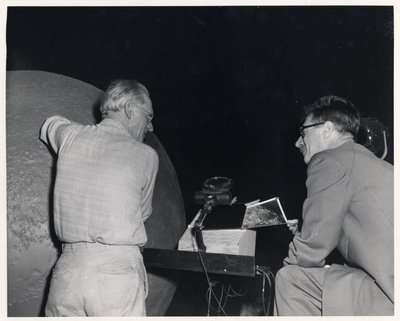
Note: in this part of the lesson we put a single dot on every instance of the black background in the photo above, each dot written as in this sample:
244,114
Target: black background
227,83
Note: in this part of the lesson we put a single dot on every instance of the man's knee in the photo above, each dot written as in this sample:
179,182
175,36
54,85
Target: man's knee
286,275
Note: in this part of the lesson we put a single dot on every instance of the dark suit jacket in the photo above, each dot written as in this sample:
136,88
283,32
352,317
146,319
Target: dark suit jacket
349,206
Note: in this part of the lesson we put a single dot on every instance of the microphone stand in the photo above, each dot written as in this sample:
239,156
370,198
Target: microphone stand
198,224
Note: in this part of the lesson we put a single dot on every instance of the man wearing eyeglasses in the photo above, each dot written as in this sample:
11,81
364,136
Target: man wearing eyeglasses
102,197
349,206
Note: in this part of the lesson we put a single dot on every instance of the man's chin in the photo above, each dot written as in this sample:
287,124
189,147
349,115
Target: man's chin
305,157
143,136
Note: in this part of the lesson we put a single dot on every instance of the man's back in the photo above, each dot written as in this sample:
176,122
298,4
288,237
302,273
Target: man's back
367,238
102,186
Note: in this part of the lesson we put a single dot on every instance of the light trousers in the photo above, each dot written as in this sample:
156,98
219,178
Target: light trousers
93,279
307,292
298,291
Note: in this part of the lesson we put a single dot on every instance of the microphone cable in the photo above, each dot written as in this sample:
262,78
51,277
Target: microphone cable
210,286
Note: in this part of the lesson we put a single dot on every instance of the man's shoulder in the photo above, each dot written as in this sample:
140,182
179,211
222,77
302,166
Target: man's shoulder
347,156
341,156
144,148
351,150
345,151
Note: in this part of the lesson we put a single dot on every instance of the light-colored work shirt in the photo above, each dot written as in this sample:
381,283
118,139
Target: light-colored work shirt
104,182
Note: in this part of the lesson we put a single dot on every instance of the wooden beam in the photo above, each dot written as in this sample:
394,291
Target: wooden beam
214,263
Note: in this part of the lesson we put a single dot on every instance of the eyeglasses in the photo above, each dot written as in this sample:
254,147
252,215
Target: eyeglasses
301,128
149,115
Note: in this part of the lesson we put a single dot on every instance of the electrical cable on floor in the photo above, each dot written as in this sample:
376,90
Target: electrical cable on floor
210,287
228,293
263,294
270,292
208,296
266,274
269,276
235,293
223,298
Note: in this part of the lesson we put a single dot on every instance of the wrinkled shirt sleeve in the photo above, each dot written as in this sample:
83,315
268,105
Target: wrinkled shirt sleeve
323,213
51,131
147,193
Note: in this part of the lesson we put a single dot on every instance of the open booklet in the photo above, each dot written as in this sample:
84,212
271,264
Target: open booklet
246,216
265,213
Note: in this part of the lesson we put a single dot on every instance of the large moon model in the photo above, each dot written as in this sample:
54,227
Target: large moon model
32,247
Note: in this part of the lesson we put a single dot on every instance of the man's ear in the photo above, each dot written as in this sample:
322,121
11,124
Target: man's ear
329,129
128,111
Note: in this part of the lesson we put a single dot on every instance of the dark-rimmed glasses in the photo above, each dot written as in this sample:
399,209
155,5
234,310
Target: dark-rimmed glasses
301,128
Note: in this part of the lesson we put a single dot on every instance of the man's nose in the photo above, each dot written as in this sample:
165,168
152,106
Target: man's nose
150,127
299,142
